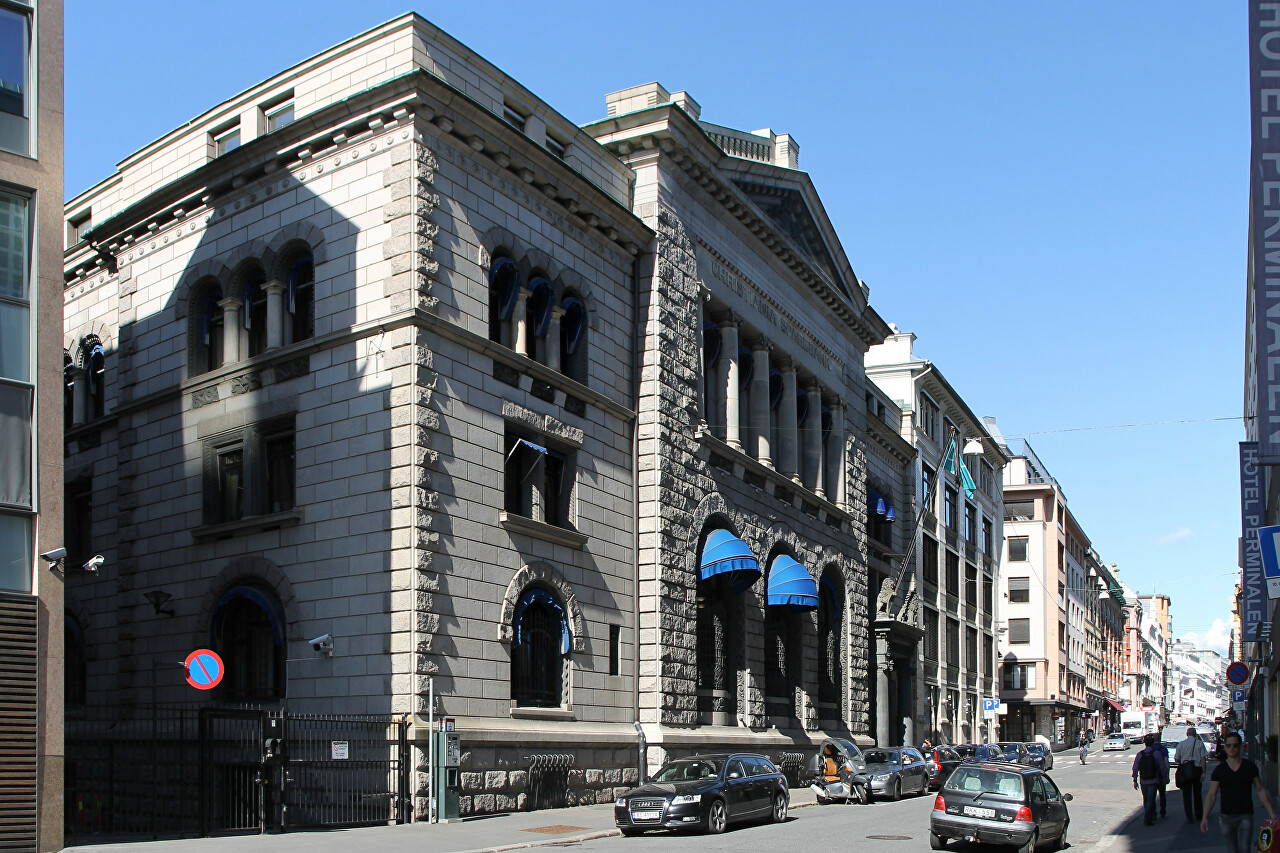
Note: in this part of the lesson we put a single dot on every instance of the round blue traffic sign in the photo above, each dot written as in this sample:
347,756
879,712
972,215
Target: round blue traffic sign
204,669
1238,673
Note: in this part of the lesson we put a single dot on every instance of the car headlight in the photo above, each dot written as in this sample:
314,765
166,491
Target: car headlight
685,799
880,777
621,801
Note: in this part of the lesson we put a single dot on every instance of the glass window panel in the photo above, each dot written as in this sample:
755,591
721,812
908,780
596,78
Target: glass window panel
16,555
14,240
15,44
231,484
15,342
280,471
15,437
280,117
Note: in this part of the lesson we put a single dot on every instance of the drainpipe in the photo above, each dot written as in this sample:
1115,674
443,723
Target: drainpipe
636,359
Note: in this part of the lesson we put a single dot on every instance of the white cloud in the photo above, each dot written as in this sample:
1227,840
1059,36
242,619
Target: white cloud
1182,534
1218,637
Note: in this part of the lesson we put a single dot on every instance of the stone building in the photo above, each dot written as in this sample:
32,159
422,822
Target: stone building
352,354
952,556
31,584
752,446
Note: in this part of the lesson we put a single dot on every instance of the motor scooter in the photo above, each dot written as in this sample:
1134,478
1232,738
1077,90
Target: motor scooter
839,773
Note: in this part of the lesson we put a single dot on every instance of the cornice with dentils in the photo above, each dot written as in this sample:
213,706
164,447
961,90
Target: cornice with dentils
414,96
669,129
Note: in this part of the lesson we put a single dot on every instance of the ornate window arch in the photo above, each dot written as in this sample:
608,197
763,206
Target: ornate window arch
831,620
783,651
249,630
573,336
205,336
504,288
297,269
540,648
719,629
94,358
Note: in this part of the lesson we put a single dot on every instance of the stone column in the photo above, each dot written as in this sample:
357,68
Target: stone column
788,446
275,313
553,339
729,382
834,456
813,440
230,329
520,321
883,667
760,432
79,395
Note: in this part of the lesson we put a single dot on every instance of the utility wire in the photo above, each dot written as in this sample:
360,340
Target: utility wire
1122,426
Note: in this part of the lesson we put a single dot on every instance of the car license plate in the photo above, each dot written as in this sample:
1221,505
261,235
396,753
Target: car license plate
648,815
975,811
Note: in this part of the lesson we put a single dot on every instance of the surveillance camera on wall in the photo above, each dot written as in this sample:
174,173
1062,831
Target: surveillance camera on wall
55,555
95,563
323,644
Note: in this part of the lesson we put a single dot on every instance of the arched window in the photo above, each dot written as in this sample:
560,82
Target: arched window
726,568
504,286
68,390
206,328
96,380
830,621
573,339
74,672
538,315
300,299
790,592
248,631
253,311
539,649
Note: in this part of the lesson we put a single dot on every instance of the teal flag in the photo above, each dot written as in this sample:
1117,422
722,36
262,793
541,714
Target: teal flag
967,481
949,458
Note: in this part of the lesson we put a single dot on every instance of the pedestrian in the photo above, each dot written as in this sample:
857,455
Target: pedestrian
1151,773
1084,748
1237,777
1192,757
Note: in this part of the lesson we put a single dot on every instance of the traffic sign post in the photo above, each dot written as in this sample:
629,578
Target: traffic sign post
204,669
1238,698
990,707
1238,673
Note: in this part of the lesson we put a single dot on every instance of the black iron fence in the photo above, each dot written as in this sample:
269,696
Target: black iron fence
185,771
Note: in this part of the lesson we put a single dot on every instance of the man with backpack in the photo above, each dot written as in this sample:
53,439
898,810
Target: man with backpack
1151,769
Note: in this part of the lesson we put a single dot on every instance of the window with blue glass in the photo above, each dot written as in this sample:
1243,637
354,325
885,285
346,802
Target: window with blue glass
539,650
15,79
17,392
248,632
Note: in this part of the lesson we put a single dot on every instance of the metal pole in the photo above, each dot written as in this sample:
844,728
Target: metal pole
431,750
154,736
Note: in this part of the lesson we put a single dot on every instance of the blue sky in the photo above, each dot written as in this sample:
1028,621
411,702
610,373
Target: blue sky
1053,197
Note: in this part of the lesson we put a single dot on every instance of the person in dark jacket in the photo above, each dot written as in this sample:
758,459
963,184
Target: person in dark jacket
1151,773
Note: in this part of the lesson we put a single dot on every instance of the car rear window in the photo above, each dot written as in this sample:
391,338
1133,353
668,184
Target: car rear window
966,751
995,783
949,754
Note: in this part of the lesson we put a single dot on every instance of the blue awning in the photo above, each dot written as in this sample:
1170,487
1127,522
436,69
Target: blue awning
725,553
791,585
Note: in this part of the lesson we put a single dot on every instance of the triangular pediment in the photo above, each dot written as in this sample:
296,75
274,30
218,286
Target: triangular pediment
786,208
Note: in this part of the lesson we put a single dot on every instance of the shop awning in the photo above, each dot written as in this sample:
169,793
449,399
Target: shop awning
1114,705
790,585
725,553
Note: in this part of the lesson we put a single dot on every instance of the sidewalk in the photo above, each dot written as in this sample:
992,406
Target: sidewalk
482,834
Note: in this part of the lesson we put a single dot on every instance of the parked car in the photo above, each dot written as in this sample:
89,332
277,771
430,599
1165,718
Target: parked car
705,792
974,752
1116,741
1000,803
896,771
940,761
1040,756
1016,752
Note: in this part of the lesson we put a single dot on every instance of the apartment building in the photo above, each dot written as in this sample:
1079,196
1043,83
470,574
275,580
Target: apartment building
1156,627
955,556
32,629
1199,689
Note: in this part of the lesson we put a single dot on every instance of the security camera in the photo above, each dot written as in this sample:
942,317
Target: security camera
55,555
95,563
323,644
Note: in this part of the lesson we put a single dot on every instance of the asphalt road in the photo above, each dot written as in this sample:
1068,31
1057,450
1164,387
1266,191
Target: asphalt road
1103,802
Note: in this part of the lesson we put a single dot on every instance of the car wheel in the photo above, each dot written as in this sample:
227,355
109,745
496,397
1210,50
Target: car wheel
717,819
1030,846
864,794
780,808
937,842
897,790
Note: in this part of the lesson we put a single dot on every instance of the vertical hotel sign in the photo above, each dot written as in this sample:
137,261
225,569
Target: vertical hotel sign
1264,193
1253,585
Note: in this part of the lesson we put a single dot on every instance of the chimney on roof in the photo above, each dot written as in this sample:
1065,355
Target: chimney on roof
685,101
636,98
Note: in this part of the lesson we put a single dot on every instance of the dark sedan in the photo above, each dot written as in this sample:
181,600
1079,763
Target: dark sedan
1000,803
940,761
705,792
971,753
1016,752
1040,756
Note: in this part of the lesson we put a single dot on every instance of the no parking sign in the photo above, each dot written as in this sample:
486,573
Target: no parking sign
204,669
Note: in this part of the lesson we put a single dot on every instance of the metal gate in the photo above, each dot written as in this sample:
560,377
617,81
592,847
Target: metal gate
343,770
141,772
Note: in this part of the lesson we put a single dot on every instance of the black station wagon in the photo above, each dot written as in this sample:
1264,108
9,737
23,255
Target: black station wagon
705,792
1000,803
